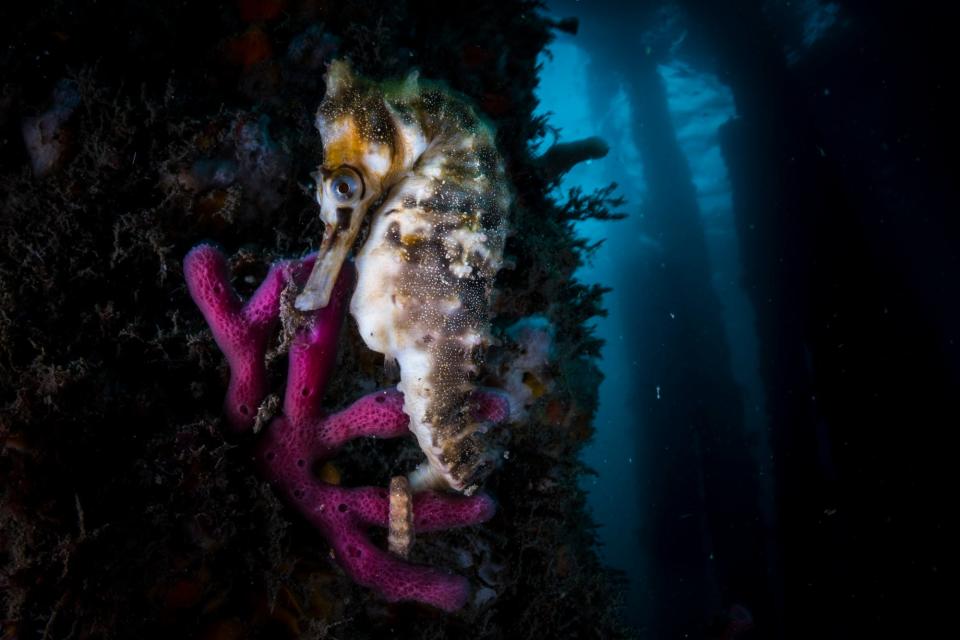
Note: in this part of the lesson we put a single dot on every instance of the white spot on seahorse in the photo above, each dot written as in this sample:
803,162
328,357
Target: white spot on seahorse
377,159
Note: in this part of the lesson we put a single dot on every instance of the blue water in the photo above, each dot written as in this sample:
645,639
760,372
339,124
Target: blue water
699,104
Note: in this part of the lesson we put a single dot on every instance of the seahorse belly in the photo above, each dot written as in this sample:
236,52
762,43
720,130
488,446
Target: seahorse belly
421,298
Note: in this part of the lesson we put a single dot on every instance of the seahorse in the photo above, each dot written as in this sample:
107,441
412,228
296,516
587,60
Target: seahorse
413,165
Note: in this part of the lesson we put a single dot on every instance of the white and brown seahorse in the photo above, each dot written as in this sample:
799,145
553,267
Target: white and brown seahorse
419,161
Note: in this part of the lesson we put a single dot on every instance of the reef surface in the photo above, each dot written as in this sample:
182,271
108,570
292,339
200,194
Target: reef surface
133,131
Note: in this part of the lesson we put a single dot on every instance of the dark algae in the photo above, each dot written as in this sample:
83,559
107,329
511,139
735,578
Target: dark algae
133,131
535,319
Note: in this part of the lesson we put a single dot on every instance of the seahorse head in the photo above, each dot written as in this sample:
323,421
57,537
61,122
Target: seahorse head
367,144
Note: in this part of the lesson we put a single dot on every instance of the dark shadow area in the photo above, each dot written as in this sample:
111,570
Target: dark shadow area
838,160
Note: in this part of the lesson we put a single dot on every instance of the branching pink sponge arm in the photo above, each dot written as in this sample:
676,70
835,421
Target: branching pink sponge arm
288,455
294,445
295,442
313,354
240,330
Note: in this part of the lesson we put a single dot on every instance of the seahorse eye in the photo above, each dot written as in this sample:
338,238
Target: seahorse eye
344,186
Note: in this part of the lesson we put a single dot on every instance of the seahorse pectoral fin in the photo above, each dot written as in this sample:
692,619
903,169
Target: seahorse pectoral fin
337,242
426,477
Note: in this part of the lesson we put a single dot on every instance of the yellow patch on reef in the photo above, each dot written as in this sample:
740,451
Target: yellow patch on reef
329,473
537,388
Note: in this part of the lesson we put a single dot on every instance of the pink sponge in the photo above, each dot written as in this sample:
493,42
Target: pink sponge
240,330
296,441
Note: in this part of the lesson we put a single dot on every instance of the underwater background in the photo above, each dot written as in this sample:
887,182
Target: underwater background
726,322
